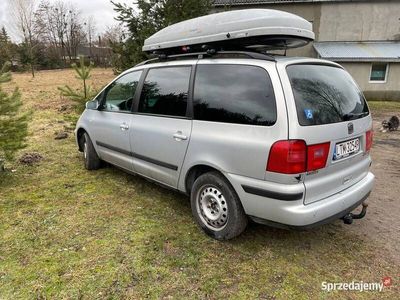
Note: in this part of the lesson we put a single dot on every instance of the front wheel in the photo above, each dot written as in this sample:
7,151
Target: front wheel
92,160
216,207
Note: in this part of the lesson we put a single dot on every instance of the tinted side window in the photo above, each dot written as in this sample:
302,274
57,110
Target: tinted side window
119,95
165,91
234,94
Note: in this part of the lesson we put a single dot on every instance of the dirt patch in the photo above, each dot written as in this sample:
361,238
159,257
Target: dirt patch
61,135
382,223
66,108
389,142
30,158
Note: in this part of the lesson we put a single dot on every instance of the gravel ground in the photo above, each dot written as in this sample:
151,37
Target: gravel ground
382,223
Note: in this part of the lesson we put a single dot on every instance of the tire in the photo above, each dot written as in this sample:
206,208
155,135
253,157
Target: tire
91,159
216,207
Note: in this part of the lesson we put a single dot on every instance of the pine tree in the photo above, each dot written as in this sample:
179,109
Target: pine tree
146,18
6,47
13,123
4,35
80,96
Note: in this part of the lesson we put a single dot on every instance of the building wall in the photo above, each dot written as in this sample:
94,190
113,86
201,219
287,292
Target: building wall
343,21
360,21
350,21
390,90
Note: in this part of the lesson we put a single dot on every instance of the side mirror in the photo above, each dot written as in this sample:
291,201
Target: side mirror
94,104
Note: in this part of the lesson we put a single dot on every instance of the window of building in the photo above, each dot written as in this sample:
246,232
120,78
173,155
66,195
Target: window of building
165,91
379,72
119,94
234,94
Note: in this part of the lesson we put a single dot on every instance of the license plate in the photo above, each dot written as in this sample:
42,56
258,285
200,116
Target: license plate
346,149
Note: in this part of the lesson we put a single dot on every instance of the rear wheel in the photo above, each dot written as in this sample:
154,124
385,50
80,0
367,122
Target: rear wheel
216,207
91,159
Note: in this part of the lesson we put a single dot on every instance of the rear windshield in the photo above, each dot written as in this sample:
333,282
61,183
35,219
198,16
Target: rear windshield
325,94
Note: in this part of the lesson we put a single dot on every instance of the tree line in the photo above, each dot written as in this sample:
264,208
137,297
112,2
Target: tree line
54,34
51,34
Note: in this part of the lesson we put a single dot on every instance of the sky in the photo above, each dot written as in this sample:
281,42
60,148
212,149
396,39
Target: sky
102,11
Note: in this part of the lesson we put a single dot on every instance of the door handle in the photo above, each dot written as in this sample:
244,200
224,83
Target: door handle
179,136
124,126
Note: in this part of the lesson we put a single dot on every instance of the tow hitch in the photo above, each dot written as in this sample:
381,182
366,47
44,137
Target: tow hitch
348,219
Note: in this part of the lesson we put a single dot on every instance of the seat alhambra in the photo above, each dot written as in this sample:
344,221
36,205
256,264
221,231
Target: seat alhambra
282,141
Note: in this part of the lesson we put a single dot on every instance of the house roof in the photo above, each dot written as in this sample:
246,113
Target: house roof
250,2
359,51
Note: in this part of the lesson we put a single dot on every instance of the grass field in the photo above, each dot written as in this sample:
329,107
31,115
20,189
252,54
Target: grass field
68,233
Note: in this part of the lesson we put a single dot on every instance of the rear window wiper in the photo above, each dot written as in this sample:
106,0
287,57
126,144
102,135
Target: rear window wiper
351,116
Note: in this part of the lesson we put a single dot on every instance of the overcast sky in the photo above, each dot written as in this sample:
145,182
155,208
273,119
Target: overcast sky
102,11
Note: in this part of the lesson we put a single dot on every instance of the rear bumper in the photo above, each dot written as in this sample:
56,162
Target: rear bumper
293,213
332,218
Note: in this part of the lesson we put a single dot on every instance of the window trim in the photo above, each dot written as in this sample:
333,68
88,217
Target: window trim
386,73
189,103
102,94
233,64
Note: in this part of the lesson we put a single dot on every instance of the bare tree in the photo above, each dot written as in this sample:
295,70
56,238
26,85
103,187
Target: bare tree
113,34
23,12
61,26
90,25
52,20
74,34
112,37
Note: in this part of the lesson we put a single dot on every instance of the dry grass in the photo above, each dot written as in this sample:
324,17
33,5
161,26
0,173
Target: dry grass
68,233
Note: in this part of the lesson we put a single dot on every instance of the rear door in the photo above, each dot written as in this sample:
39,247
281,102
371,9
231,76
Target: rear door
325,106
111,124
160,129
239,112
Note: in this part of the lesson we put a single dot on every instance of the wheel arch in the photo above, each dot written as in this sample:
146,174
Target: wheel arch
197,170
79,133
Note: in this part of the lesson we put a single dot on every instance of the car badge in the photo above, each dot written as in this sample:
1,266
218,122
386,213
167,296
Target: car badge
350,128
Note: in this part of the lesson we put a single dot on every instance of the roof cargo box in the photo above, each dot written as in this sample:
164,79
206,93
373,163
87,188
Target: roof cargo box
249,28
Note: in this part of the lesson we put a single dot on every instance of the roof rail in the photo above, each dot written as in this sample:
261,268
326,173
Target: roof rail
209,53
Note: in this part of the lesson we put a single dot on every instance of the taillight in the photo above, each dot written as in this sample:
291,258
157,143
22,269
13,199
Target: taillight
368,140
294,156
317,156
288,157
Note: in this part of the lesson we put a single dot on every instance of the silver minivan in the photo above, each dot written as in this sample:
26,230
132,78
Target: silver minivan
282,141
